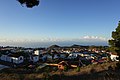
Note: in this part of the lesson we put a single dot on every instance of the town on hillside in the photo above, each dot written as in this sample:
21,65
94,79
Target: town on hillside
73,56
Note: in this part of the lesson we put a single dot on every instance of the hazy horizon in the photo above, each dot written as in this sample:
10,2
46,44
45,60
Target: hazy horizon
87,40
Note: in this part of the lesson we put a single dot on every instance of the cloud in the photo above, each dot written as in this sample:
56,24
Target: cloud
53,39
86,40
94,38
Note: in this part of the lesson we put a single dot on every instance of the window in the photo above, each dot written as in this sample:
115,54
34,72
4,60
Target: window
21,58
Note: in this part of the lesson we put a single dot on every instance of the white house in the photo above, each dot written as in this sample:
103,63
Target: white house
49,57
114,57
12,58
72,56
56,56
9,59
46,57
37,52
15,58
4,55
63,55
34,58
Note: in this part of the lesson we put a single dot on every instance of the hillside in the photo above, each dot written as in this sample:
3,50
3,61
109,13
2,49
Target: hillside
105,71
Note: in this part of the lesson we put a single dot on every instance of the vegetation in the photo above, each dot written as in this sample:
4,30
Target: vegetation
29,3
115,41
105,71
65,68
78,69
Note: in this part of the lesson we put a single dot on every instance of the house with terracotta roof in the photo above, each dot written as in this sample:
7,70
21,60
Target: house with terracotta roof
63,64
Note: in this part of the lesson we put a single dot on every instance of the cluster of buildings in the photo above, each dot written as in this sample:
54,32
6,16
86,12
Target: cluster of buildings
21,55
18,57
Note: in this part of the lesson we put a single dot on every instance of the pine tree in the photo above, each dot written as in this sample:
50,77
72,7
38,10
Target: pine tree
115,41
29,3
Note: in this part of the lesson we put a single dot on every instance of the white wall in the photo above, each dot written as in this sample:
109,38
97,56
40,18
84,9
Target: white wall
17,60
56,56
9,59
37,52
3,57
62,55
35,58
114,57
49,57
22,59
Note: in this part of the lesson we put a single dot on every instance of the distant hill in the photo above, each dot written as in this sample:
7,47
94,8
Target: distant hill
76,46
54,46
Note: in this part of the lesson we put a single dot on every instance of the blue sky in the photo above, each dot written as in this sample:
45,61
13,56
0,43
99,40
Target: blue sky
59,22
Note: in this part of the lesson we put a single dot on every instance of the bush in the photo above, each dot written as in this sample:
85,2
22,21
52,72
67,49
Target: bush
21,76
55,68
46,76
78,69
118,65
65,68
37,69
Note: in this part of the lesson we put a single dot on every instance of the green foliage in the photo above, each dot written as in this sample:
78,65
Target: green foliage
115,41
38,69
29,3
118,65
78,69
65,68
21,76
46,76
47,69
55,68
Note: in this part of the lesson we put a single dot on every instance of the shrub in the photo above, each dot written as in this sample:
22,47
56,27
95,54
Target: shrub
55,68
46,76
65,68
78,69
37,69
118,65
21,76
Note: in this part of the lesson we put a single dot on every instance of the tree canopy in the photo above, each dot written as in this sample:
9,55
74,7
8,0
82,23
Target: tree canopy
115,41
29,3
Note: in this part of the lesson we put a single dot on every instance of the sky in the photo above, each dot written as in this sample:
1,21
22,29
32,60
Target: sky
61,22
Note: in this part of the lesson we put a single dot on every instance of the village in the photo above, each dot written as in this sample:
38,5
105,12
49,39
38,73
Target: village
73,56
